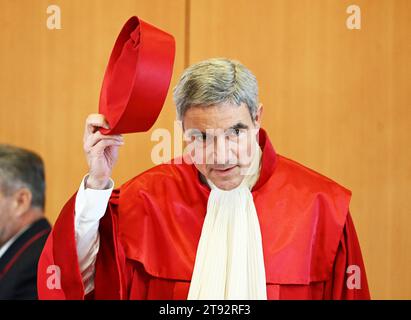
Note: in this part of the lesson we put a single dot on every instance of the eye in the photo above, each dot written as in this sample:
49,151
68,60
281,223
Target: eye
235,132
201,137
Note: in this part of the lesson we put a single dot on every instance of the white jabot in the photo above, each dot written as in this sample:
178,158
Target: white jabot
229,262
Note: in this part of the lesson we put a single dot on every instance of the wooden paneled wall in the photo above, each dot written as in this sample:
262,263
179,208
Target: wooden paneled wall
336,100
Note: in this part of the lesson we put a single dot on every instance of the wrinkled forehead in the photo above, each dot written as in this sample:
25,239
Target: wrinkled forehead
223,117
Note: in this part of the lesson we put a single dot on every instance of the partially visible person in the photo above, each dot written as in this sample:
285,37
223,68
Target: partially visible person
23,227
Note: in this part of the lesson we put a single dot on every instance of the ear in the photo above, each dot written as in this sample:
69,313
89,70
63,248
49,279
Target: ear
22,201
258,116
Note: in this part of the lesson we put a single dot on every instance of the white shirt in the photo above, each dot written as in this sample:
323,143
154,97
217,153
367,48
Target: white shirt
90,207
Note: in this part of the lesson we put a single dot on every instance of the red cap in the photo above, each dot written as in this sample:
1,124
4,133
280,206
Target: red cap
137,77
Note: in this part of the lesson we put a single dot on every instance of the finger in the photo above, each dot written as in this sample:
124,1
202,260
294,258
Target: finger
99,135
95,121
95,138
103,144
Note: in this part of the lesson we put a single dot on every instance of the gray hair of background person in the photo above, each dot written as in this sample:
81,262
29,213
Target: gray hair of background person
21,168
216,81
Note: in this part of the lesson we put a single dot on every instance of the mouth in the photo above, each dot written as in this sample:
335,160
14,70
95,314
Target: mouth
223,171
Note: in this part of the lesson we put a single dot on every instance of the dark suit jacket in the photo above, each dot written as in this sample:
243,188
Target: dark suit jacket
18,265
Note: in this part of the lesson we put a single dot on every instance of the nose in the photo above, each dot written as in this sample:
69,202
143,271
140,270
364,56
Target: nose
220,149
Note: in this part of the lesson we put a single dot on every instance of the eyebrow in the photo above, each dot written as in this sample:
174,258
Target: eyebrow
238,125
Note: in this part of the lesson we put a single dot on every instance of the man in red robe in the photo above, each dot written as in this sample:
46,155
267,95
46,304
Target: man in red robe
194,229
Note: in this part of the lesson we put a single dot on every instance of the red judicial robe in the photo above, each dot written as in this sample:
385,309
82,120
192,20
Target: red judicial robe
152,226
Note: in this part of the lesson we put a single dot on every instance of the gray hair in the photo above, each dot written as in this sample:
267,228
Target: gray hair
21,168
216,81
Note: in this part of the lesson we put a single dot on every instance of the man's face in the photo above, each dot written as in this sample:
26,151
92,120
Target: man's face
6,216
221,139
